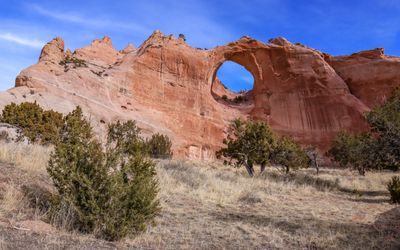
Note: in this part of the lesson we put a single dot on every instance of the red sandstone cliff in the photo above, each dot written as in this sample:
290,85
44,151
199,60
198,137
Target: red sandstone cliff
170,87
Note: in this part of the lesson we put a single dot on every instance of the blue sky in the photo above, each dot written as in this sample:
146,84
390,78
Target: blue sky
336,27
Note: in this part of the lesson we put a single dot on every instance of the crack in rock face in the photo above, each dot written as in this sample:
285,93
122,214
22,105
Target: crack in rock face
171,88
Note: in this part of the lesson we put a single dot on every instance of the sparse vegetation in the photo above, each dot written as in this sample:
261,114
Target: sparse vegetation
393,187
34,123
315,157
239,99
182,36
110,193
73,60
159,146
236,100
99,73
123,91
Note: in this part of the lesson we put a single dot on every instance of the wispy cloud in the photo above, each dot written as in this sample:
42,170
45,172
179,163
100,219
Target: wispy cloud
248,78
198,20
14,38
79,18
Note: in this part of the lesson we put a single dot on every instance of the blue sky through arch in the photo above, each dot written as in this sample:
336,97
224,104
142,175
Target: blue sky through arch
235,77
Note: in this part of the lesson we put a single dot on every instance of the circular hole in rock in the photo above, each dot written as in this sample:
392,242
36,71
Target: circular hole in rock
233,84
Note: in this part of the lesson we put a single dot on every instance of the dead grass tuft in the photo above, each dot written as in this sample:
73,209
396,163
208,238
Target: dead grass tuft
12,201
28,157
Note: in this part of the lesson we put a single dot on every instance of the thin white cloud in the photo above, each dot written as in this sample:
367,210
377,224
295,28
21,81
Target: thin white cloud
78,18
248,79
10,37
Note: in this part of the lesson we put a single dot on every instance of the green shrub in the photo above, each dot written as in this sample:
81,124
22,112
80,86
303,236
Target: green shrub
34,123
159,146
250,142
247,143
225,98
378,149
385,123
127,137
394,188
110,192
73,60
289,154
356,151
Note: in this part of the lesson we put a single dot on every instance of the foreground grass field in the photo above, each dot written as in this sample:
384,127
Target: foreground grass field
210,206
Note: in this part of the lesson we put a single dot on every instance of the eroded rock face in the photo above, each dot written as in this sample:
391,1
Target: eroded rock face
53,51
169,87
370,75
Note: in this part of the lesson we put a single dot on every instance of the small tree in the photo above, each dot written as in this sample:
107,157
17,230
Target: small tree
126,136
315,157
341,151
289,155
248,143
159,146
78,173
111,192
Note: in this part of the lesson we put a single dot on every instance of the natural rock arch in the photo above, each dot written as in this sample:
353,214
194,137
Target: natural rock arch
218,89
166,86
295,90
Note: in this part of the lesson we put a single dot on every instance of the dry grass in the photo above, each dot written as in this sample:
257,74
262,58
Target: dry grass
210,206
12,200
217,207
30,158
21,166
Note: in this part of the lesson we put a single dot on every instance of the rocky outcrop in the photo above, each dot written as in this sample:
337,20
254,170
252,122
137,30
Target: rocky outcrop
100,52
53,51
169,87
128,49
370,75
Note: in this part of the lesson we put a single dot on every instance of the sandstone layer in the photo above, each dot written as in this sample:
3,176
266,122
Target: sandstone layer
169,87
